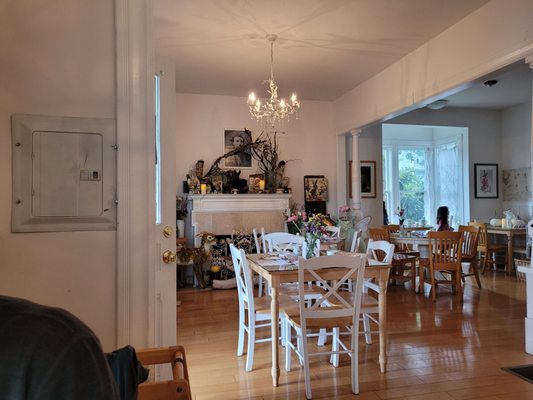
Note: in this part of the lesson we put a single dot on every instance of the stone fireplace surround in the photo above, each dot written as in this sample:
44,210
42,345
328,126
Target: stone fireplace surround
223,214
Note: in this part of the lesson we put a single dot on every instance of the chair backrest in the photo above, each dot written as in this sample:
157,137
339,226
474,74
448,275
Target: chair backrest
392,228
243,276
333,231
445,250
470,240
259,240
282,241
347,268
380,250
379,234
356,241
482,240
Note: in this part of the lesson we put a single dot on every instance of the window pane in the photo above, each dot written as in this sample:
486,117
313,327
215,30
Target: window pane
157,82
411,168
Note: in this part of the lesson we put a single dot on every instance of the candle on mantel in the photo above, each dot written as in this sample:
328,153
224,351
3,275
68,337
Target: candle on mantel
262,184
203,188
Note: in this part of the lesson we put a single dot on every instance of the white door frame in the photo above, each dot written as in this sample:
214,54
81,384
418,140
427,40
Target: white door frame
135,181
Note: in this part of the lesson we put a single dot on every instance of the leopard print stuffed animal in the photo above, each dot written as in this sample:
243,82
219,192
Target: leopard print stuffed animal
198,256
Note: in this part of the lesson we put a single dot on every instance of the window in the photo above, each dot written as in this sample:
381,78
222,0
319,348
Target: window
422,170
157,130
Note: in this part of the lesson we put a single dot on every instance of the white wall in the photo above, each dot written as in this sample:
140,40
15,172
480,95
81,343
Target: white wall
57,59
516,150
484,128
309,145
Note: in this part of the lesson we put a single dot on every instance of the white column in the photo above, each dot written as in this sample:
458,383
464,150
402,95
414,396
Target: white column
356,174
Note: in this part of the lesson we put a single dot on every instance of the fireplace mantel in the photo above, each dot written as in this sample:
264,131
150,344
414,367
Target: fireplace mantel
223,214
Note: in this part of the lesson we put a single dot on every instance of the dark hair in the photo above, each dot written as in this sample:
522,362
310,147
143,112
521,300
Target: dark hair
442,215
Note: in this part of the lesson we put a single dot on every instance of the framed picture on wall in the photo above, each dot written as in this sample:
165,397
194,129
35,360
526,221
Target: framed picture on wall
368,179
232,140
316,188
486,181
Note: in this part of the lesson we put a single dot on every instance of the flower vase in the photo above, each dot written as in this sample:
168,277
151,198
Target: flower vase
345,225
402,229
311,242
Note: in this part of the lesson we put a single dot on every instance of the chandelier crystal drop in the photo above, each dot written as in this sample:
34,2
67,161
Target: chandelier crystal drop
272,110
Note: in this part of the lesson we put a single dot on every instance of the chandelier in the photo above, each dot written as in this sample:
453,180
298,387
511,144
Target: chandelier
273,110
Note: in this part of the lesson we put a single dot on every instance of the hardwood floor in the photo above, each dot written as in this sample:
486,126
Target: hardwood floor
436,351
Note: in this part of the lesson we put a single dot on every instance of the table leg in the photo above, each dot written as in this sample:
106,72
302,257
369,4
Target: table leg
274,310
509,266
382,304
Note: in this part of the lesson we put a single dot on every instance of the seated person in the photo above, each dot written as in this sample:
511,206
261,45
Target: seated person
47,353
442,219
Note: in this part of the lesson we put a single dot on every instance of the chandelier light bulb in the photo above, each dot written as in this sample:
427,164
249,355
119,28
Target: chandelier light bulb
251,98
273,110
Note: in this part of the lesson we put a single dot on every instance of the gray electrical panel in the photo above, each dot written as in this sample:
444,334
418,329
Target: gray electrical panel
64,174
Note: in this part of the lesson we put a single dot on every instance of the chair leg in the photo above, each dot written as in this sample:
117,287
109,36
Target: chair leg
476,272
366,327
433,285
288,342
307,372
260,287
251,343
322,338
334,359
355,361
240,342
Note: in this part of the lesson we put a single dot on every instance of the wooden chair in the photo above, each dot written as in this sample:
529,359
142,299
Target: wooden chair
487,249
252,310
379,234
470,253
381,251
340,313
445,250
260,248
176,389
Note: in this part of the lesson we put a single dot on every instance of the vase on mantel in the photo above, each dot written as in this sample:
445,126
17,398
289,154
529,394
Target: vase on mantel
270,182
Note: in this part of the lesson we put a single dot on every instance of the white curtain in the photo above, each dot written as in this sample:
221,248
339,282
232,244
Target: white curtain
429,192
447,181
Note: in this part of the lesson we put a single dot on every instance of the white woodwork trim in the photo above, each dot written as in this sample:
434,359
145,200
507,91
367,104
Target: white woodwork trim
133,234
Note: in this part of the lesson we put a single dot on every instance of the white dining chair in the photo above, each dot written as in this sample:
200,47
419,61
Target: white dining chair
333,231
283,241
340,315
260,248
254,312
383,251
356,241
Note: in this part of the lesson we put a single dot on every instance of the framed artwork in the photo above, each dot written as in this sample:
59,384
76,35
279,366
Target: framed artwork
316,188
232,139
486,181
368,178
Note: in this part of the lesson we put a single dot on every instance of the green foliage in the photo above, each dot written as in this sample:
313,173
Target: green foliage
411,193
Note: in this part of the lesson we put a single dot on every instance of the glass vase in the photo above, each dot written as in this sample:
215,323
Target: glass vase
310,245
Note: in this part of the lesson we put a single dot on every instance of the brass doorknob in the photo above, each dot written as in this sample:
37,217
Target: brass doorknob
169,257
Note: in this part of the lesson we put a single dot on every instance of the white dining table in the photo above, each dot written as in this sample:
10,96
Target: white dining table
280,272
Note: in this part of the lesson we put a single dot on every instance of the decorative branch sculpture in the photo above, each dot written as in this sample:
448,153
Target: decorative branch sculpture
252,146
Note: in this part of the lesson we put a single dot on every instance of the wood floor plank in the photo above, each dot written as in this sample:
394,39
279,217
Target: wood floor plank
443,350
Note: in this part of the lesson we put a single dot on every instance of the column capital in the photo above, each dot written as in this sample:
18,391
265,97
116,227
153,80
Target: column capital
355,132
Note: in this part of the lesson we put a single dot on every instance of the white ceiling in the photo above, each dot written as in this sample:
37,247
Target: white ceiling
326,47
513,87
